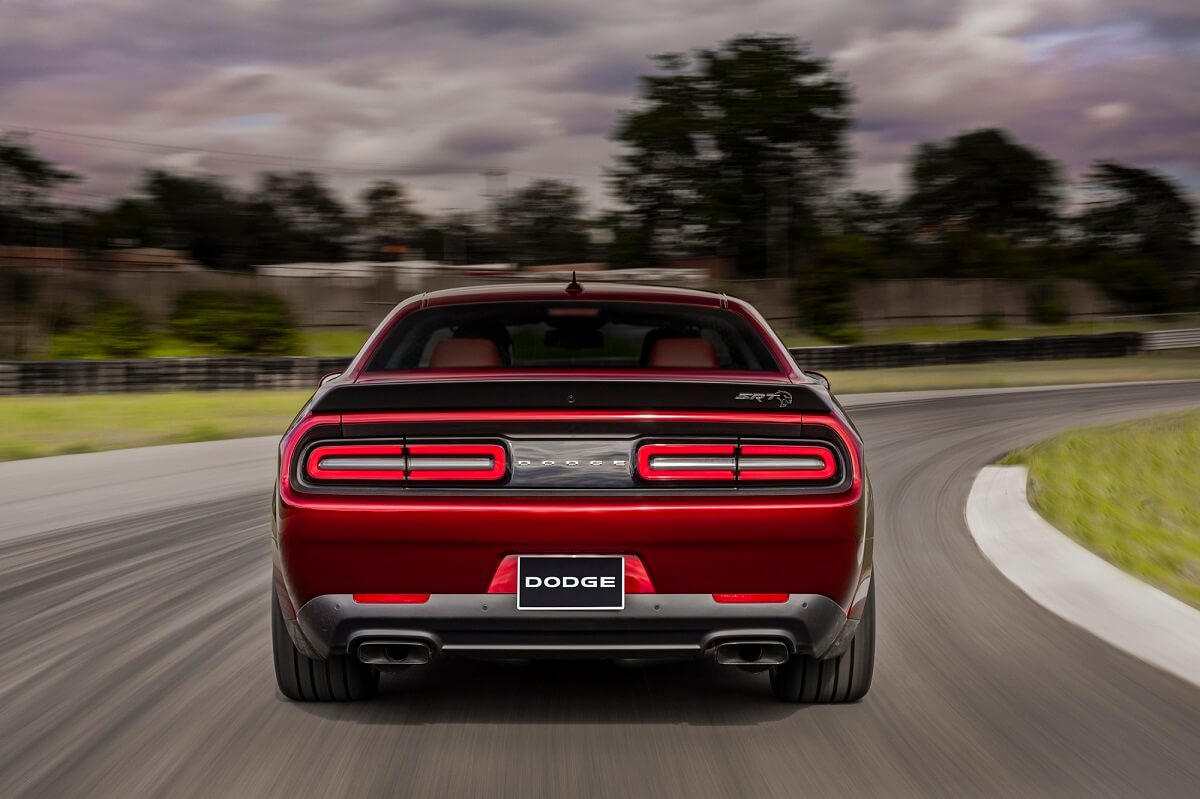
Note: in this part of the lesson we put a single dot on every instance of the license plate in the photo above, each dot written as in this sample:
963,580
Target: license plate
570,582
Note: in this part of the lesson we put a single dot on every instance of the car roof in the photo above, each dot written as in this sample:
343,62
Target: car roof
591,291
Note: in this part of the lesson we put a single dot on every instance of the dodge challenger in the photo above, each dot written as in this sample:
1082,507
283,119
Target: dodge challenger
588,471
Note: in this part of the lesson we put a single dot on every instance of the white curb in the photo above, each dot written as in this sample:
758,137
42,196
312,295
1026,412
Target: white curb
1075,584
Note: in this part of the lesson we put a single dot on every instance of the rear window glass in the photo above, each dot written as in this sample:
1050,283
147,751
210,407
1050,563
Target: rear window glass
576,335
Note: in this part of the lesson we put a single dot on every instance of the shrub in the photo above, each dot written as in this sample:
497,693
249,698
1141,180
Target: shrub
250,324
119,330
1046,304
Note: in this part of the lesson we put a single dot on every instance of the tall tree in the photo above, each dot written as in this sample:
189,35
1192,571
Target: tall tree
26,183
1142,213
296,217
543,223
985,182
389,218
731,148
202,216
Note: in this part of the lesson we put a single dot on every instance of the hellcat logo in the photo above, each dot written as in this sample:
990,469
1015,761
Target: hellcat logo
784,398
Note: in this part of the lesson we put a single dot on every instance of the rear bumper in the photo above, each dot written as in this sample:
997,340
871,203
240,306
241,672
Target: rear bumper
650,626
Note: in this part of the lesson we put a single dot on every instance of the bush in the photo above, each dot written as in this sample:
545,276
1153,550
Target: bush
1046,304
250,324
117,329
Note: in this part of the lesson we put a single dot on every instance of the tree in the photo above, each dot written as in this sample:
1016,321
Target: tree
202,216
543,223
984,182
26,182
1140,213
388,218
731,149
294,216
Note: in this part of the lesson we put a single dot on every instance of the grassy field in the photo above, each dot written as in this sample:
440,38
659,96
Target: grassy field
38,426
1128,492
1170,365
974,332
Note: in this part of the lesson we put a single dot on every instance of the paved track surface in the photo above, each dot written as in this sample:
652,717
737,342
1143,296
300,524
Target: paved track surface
137,661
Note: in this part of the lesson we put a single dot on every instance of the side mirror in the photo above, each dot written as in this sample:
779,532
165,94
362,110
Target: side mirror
327,377
819,377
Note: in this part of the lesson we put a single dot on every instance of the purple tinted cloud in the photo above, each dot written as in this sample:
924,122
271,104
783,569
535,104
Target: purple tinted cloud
441,89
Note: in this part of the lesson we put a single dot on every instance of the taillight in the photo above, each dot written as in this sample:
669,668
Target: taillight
356,462
752,462
785,462
687,462
337,462
456,462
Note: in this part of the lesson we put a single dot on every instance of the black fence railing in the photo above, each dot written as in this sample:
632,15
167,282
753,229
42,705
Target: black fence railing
1043,348
217,374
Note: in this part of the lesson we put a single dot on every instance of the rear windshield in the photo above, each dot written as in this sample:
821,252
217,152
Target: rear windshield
575,335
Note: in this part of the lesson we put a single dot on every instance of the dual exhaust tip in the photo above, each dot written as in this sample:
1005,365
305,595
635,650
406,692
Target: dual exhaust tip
752,653
394,653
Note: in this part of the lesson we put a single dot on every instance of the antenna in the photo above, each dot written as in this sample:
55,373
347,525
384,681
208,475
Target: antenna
573,288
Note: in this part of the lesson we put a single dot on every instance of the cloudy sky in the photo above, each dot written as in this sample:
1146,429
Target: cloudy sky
434,92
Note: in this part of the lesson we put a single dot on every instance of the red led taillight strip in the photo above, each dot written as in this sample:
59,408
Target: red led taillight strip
785,462
356,462
458,462
686,462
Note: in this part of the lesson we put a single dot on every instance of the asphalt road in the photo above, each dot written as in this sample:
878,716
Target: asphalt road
135,638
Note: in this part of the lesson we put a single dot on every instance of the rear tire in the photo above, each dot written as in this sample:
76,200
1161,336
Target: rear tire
304,679
838,680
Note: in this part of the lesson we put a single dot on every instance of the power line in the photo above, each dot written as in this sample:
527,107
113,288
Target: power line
243,157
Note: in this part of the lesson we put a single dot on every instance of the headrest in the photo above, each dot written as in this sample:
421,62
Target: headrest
465,353
682,353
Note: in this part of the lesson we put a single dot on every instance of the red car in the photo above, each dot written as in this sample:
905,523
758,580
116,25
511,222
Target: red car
596,471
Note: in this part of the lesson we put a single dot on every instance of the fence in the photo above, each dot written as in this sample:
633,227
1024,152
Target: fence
211,374
1044,348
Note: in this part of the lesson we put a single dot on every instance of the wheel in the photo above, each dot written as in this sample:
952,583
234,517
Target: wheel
304,679
845,678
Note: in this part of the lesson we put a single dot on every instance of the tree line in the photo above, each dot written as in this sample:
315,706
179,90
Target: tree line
738,151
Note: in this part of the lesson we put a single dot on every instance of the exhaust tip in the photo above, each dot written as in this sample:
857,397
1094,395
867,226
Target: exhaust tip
752,653
394,653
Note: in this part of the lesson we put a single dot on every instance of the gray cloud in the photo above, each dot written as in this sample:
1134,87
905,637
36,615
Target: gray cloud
439,89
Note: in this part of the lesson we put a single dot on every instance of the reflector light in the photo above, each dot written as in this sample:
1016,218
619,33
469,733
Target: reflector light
456,462
357,462
748,598
785,462
391,599
686,462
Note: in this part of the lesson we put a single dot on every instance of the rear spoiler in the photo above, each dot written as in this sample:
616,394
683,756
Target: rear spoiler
679,395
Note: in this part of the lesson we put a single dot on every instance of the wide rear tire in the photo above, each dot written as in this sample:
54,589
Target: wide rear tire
845,678
304,679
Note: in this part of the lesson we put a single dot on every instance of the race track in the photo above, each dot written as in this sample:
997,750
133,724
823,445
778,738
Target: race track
134,588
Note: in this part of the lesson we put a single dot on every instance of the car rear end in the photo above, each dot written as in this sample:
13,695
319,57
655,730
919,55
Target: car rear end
571,477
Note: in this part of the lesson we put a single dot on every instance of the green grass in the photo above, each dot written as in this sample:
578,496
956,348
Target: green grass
1128,492
38,426
1171,365
32,427
332,342
976,331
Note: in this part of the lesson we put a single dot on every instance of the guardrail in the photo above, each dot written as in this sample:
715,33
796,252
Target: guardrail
1042,348
1171,339
215,374
164,374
